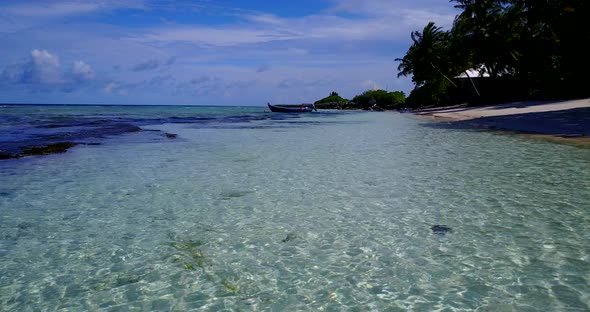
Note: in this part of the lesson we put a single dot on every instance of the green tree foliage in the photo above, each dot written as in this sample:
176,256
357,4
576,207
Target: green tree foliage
429,62
380,98
482,32
332,98
433,93
538,45
427,56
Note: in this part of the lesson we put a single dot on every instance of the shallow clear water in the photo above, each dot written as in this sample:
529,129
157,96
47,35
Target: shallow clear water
331,211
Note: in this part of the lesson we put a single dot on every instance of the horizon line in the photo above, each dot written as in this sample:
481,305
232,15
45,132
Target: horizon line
104,104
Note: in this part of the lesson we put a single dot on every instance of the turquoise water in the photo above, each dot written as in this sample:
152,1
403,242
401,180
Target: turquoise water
246,210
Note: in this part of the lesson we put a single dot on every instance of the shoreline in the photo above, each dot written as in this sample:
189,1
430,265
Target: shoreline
558,121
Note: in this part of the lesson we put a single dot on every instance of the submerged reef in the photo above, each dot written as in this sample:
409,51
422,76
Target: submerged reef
54,148
54,138
6,155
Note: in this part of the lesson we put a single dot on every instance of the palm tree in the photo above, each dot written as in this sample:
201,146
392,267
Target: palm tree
482,32
426,56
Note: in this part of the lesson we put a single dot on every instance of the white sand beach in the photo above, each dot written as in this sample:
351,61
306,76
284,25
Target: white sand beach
559,119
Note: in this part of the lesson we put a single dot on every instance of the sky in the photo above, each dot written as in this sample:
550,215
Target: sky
226,52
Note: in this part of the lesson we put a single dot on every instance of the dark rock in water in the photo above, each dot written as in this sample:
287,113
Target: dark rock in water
123,279
170,135
24,230
7,155
24,225
228,195
55,148
441,229
290,236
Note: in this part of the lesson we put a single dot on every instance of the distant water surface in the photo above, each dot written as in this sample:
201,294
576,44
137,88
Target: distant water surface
249,210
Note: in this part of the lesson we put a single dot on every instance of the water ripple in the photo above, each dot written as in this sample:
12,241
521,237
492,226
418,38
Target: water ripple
334,215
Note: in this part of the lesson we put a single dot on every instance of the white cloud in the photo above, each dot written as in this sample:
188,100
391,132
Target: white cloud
265,19
349,48
297,51
111,86
40,9
82,71
44,9
45,67
115,88
405,13
13,73
20,15
389,8
41,68
200,80
210,36
419,18
147,65
376,20
370,85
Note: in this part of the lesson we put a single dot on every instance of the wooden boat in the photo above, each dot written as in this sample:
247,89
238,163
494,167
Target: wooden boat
303,108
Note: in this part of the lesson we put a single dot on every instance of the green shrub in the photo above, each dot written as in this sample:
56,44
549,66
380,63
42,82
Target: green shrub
332,98
380,98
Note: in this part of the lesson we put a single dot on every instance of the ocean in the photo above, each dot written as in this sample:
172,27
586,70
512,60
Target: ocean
175,208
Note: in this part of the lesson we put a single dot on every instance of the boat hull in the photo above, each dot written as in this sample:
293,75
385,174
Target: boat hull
281,109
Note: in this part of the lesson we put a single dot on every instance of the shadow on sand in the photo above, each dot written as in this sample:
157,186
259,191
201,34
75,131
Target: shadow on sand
568,123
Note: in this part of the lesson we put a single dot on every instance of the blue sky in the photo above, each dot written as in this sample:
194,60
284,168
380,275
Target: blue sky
206,52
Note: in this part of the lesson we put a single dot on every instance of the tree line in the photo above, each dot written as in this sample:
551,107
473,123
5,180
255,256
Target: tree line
374,99
528,49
